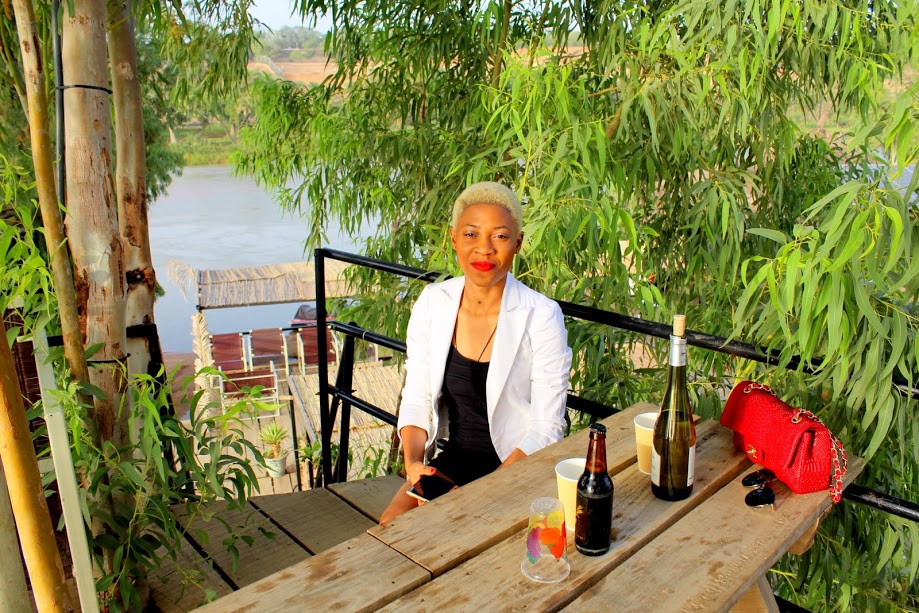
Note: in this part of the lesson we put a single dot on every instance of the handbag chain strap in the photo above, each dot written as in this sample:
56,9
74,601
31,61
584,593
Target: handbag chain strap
840,459
757,386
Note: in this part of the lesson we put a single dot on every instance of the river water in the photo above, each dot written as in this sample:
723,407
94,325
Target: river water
211,219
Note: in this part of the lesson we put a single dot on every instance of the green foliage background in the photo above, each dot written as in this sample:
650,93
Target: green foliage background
663,149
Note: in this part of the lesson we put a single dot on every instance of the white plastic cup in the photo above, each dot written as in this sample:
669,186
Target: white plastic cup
644,440
567,473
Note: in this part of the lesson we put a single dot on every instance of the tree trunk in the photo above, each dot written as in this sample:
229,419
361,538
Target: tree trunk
131,182
36,535
92,221
42,157
14,595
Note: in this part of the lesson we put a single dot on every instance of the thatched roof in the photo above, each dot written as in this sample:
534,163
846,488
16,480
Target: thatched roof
271,284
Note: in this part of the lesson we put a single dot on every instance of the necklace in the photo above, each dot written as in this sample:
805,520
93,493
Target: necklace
488,342
490,336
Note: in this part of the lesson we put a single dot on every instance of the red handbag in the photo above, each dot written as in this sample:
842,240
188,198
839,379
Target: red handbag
792,443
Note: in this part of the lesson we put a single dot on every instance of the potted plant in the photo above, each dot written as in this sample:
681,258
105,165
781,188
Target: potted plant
273,436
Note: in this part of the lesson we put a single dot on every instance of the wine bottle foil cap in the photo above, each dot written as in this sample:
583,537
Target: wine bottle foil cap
598,428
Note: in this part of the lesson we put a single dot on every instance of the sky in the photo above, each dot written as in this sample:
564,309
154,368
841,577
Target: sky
276,14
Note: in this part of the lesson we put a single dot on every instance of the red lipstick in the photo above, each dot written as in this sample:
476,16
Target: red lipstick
483,266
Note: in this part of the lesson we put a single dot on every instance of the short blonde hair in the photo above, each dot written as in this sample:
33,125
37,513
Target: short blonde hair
489,192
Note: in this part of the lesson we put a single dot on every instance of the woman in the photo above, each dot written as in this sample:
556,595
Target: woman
488,358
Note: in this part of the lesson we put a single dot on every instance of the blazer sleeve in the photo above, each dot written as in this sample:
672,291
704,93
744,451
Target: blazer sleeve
549,378
416,406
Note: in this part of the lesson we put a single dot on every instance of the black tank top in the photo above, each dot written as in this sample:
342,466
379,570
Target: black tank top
464,395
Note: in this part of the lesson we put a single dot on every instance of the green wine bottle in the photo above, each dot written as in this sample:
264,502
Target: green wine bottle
673,454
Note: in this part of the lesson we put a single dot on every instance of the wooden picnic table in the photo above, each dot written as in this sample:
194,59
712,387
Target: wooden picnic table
463,551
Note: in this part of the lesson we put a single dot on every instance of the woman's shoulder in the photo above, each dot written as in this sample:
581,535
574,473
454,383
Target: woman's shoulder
447,286
530,296
446,289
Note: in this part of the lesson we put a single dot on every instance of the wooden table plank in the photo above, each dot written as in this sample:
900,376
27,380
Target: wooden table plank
493,508
317,519
369,496
638,517
261,559
362,574
713,556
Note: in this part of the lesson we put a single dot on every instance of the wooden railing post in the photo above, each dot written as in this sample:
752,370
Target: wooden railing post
26,493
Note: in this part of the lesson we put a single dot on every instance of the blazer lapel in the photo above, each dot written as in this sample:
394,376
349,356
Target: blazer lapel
511,325
443,320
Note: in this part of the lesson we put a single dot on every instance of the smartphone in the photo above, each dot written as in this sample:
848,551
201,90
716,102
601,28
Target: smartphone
430,487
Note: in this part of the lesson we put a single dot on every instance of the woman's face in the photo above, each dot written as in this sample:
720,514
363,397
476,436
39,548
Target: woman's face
486,240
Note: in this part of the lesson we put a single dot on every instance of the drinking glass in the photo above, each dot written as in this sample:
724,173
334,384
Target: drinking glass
546,558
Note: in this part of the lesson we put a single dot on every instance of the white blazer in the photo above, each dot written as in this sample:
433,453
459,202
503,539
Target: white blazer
527,382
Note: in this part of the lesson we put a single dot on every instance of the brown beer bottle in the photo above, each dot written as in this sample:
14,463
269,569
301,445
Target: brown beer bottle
594,516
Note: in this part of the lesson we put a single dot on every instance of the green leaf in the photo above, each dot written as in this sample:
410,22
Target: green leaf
773,235
848,189
897,223
885,418
867,309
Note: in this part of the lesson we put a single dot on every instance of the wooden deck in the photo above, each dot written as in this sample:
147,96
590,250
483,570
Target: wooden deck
303,524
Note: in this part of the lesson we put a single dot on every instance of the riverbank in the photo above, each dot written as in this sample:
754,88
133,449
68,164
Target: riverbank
210,219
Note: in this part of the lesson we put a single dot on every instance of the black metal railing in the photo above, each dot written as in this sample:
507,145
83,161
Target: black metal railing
343,397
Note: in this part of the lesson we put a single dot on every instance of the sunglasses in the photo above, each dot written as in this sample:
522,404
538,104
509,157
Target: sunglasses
763,496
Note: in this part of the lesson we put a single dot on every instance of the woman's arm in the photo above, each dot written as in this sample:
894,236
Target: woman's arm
515,455
551,367
414,440
415,405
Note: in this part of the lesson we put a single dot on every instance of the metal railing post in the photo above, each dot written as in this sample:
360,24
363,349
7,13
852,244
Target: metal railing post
325,423
343,382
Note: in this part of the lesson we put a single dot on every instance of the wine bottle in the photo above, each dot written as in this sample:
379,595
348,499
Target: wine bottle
673,454
594,515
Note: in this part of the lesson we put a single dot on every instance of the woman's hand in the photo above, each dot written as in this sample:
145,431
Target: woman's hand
415,470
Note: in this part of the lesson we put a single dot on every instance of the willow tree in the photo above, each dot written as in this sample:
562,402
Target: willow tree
661,168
